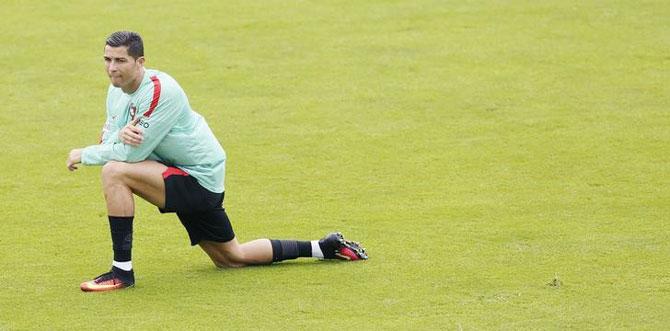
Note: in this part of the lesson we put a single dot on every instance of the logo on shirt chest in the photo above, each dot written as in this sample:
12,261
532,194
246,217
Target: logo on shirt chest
133,111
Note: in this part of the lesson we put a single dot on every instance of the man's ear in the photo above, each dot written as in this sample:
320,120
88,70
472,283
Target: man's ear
140,60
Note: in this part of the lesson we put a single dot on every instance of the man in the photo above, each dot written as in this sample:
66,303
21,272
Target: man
155,146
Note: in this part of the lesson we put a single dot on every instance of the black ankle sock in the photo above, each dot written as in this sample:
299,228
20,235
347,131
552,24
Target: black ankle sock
122,237
304,249
290,249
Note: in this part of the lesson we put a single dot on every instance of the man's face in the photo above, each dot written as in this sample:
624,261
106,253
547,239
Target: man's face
123,70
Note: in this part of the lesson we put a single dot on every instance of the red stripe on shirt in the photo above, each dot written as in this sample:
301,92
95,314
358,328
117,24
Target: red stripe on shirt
157,95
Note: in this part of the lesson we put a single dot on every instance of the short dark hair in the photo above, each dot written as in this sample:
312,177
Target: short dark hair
129,39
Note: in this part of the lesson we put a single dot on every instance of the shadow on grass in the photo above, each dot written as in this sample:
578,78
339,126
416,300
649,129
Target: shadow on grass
200,277
306,263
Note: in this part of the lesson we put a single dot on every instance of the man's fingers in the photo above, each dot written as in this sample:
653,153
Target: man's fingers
135,129
73,159
132,136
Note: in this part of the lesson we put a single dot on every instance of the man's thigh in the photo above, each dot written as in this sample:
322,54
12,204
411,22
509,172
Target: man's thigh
145,179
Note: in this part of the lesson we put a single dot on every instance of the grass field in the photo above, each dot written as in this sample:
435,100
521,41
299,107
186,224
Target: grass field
504,162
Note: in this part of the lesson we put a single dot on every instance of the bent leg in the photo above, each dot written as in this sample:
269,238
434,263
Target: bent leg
120,180
266,251
259,251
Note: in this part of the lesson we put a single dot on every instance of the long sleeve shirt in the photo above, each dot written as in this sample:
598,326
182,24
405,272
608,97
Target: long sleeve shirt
173,133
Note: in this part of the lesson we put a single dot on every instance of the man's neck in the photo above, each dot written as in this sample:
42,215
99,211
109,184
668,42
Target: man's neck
131,88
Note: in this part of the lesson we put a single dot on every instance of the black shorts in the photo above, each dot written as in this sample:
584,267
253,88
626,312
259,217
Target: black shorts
199,210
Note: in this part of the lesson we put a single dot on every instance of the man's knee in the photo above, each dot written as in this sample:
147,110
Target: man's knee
229,260
227,255
233,258
113,170
228,263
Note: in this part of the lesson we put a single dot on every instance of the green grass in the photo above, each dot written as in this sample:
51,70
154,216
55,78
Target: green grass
479,149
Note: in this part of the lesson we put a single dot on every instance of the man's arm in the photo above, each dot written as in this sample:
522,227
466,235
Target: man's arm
151,130
130,134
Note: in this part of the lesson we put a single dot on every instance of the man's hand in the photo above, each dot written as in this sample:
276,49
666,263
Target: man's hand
130,134
73,159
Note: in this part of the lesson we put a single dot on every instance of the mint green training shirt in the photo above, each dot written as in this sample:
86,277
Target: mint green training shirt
172,132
